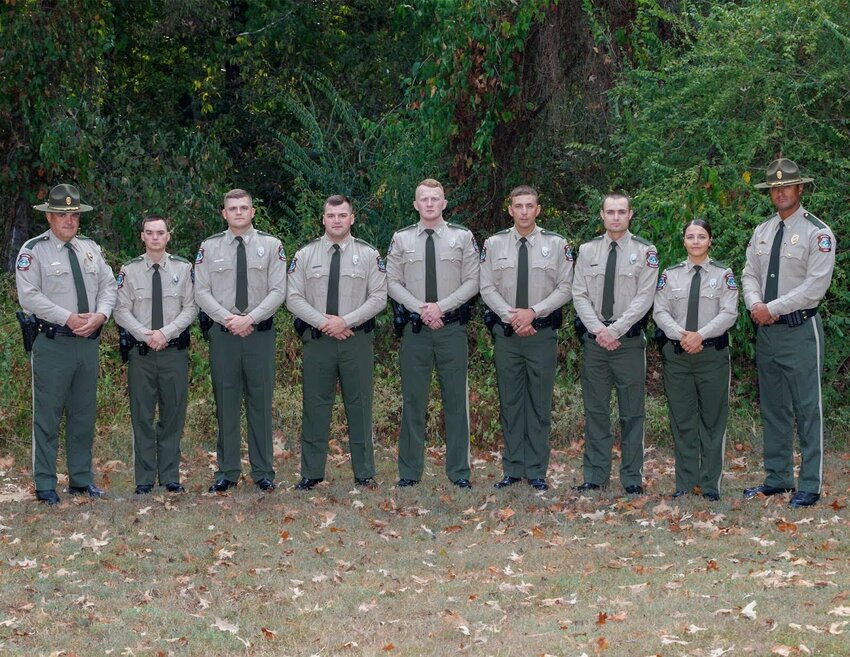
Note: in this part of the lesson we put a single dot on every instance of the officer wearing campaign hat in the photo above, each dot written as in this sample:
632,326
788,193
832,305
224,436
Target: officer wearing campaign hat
63,280
790,260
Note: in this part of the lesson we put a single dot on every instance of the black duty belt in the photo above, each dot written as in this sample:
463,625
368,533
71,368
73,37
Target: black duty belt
52,330
452,317
720,342
633,332
798,317
265,325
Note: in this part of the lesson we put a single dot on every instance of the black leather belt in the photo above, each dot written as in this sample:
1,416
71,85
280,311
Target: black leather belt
633,332
720,342
52,330
452,317
798,317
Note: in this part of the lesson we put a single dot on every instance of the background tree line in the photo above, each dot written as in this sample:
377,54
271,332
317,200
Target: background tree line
161,106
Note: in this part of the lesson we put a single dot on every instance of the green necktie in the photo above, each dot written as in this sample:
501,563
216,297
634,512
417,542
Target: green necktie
332,307
156,299
771,287
692,322
608,289
241,276
430,268
79,284
522,275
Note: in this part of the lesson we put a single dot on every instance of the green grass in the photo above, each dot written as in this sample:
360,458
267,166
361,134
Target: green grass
425,571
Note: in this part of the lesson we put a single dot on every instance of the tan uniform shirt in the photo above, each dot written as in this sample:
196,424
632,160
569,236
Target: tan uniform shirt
362,281
634,287
805,264
550,271
45,282
215,275
457,266
718,299
135,296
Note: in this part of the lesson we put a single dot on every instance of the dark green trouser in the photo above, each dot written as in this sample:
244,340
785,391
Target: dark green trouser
790,366
351,361
64,378
625,369
243,366
158,378
447,347
697,388
525,370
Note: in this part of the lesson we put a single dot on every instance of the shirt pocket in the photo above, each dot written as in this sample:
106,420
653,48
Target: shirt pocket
352,283
414,265
594,279
543,272
450,265
504,271
58,279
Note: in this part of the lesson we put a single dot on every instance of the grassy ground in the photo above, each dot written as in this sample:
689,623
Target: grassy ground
424,571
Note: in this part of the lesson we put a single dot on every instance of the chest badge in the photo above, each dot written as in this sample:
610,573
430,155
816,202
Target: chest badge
261,251
544,251
355,259
795,238
633,258
175,279
712,283
452,242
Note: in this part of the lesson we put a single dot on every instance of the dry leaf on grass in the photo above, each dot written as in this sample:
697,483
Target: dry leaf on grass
225,626
749,611
840,611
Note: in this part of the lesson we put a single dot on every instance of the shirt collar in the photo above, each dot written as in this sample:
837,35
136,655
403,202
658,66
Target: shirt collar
438,228
528,238
247,236
328,244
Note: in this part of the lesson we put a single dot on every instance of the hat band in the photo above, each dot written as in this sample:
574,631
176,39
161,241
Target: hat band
54,208
778,183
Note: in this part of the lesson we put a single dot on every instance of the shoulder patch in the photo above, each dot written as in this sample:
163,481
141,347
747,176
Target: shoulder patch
482,254
652,259
662,281
382,266
24,262
281,254
120,278
568,252
824,242
729,279
812,219
178,258
293,264
200,257
35,241
390,248
638,238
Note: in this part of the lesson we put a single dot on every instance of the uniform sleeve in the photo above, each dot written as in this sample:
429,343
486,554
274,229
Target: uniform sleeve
107,289
296,292
124,316
376,292
28,280
469,272
203,289
277,284
563,284
489,292
642,301
809,293
188,309
728,311
395,277
661,310
581,295
751,278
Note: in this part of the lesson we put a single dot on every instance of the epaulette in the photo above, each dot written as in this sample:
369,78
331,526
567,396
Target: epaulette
35,241
83,237
639,239
503,232
812,219
178,258
264,233
458,226
717,263
598,237
681,264
543,231
136,259
401,230
364,243
221,234
315,239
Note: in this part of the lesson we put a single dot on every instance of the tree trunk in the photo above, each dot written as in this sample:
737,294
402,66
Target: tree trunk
17,232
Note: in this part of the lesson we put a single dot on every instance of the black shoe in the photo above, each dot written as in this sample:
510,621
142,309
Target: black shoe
587,486
506,481
221,485
634,489
174,487
144,489
49,497
711,497
538,484
365,482
307,484
91,490
406,483
764,489
265,484
802,498
462,483
678,493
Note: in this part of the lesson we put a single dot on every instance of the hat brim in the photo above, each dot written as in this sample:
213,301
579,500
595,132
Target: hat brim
45,207
783,183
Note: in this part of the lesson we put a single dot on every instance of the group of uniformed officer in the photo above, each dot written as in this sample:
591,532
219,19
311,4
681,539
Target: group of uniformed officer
337,284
